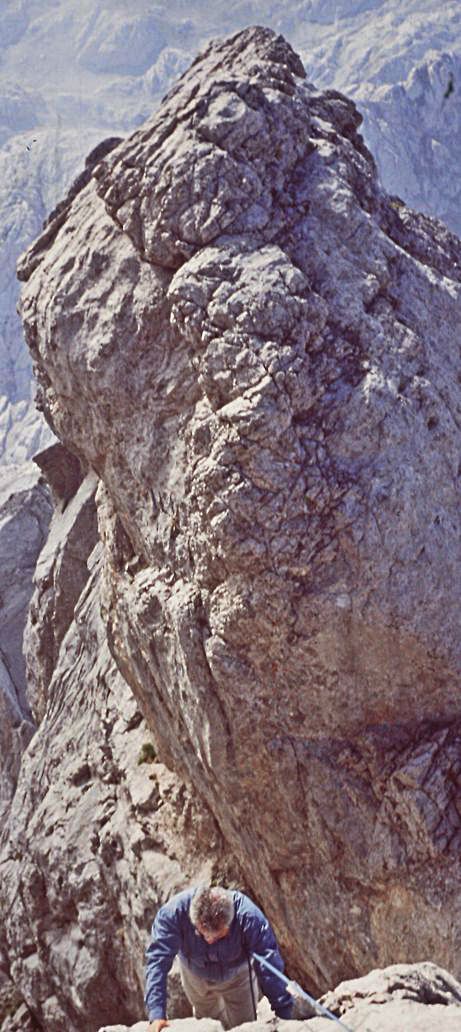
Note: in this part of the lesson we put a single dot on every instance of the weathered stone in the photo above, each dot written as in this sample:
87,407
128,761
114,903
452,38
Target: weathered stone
186,1025
21,1021
60,576
397,999
256,350
14,1015
400,65
57,217
96,841
25,511
400,998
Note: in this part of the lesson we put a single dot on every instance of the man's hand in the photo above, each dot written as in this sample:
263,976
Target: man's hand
155,1026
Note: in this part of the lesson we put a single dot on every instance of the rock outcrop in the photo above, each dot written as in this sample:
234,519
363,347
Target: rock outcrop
397,999
400,998
105,71
99,832
25,511
61,572
35,170
255,349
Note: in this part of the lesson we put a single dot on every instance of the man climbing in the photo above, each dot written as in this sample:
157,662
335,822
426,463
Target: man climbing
214,932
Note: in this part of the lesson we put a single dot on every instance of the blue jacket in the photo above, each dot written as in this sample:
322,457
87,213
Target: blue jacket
173,933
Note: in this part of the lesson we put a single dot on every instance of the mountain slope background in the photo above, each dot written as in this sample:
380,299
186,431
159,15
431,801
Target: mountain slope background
74,72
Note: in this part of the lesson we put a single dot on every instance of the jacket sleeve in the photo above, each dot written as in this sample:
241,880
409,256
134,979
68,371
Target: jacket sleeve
259,938
160,954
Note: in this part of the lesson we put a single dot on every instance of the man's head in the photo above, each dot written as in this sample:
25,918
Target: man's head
211,912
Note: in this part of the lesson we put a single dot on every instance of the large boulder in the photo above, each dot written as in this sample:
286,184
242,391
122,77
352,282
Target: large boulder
256,350
396,999
400,63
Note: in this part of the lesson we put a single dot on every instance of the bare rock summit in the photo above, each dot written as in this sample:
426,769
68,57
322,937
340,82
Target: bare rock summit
399,998
257,351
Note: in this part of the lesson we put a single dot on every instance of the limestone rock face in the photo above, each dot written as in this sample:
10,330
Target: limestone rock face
399,998
61,572
35,169
257,351
99,833
416,162
25,511
96,840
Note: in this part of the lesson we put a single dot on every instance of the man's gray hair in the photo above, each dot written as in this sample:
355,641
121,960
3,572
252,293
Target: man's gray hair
212,907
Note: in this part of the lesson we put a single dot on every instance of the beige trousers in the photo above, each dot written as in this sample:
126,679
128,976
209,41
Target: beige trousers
230,1002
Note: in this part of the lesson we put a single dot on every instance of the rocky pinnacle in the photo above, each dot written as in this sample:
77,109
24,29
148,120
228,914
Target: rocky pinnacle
257,351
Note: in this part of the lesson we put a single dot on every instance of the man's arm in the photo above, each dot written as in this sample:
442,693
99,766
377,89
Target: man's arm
160,954
259,938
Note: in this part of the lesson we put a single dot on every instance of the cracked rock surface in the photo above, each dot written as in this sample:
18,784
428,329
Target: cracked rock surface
256,350
25,511
99,833
400,998
96,840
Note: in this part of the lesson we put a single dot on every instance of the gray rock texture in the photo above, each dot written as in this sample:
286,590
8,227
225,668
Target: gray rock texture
96,839
256,349
184,1025
35,169
20,1021
399,998
60,575
68,82
99,833
25,512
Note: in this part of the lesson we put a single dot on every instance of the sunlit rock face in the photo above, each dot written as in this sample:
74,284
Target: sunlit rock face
396,999
92,840
68,82
99,833
256,349
61,572
400,997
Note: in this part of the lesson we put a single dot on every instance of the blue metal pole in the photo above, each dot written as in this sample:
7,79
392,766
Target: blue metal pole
295,990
